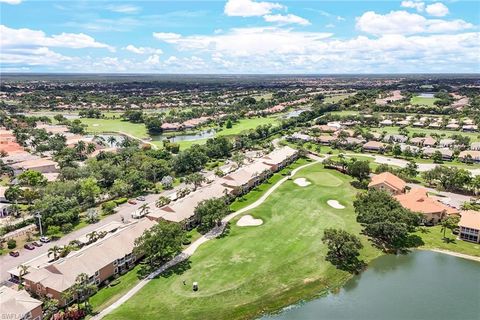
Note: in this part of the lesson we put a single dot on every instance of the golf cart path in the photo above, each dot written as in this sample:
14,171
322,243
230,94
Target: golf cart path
190,250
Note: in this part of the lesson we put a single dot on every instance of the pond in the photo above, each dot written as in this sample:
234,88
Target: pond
426,95
205,134
294,113
420,285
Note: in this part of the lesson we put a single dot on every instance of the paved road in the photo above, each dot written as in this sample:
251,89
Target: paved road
190,250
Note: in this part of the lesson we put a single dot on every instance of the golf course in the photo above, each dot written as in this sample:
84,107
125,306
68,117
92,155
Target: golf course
260,269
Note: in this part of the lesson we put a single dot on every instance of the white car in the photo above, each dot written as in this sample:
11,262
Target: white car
44,239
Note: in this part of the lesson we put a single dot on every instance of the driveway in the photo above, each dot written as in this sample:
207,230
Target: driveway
449,198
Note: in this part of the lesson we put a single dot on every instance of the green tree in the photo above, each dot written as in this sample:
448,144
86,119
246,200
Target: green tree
196,179
55,251
359,170
343,249
396,150
31,178
159,244
209,213
437,157
449,223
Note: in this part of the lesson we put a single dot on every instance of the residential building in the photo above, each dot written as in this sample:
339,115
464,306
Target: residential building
474,155
469,226
374,146
470,128
18,305
475,146
395,138
325,140
389,182
447,154
299,137
417,200
100,260
42,165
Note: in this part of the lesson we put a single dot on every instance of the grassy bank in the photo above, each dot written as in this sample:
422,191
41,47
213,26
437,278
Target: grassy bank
259,269
433,239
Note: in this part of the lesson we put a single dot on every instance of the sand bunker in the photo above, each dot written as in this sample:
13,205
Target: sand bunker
95,125
248,220
302,182
335,204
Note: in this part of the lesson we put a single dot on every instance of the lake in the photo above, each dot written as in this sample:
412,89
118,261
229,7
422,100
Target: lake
210,133
420,285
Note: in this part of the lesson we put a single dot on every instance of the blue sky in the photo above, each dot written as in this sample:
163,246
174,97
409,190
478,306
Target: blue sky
240,36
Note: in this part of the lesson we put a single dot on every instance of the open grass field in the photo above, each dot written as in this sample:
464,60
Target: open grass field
266,96
346,113
336,98
474,136
259,269
116,125
423,101
433,239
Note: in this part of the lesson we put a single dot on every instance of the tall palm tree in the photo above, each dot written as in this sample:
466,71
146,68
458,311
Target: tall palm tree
144,209
55,251
22,270
80,146
91,147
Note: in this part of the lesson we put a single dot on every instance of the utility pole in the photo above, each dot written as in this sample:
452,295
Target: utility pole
39,216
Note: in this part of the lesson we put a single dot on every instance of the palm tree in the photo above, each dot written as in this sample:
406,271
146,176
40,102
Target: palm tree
196,179
92,236
144,209
83,289
112,140
91,147
55,250
22,270
80,146
66,249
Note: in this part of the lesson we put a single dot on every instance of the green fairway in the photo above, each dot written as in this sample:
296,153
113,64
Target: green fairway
247,124
259,269
346,113
336,98
423,101
474,136
116,125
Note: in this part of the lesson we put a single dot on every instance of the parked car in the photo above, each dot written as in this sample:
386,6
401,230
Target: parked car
29,246
132,201
37,244
44,239
14,253
141,198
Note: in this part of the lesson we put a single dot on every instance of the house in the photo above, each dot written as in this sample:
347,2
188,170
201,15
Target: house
417,200
395,138
171,126
446,143
325,140
247,177
469,226
435,125
417,141
42,165
404,147
388,182
280,158
452,126
429,142
470,128
403,123
475,146
386,122
374,146
17,304
101,260
447,154
418,124
473,154
325,128
299,137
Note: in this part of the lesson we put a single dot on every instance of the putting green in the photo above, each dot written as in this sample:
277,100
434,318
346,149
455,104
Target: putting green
254,270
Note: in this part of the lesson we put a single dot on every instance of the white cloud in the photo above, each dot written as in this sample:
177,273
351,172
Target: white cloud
143,50
166,36
403,22
286,19
11,1
153,59
418,5
437,9
250,8
124,8
330,25
15,38
32,57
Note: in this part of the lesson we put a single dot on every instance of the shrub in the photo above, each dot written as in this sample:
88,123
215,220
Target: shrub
11,244
67,227
109,207
120,200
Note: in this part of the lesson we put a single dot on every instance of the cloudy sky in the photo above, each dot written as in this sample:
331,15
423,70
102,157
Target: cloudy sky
240,36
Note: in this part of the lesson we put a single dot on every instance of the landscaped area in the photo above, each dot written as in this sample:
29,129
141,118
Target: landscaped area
474,136
433,238
426,101
260,269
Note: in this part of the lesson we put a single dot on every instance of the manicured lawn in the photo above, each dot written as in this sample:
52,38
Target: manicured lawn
115,125
474,136
107,295
266,96
433,238
423,101
247,124
345,113
259,269
336,98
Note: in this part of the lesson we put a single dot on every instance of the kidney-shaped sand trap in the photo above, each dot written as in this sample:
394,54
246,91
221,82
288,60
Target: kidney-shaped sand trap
335,204
248,221
302,182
